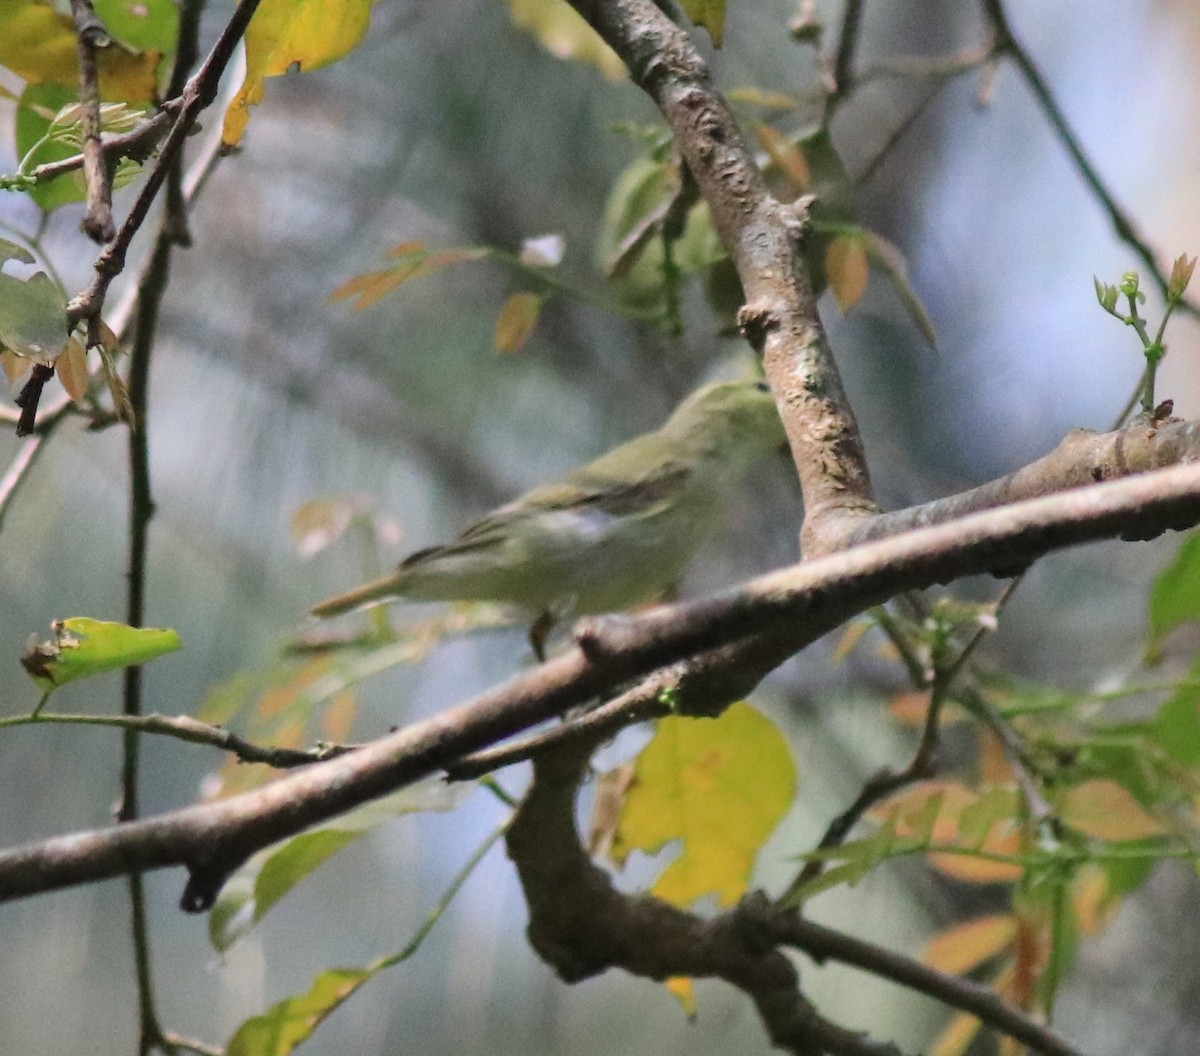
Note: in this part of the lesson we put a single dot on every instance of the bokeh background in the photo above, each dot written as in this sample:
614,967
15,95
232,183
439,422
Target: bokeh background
452,126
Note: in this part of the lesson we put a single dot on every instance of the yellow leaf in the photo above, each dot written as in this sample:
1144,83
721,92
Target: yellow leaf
847,269
415,261
1107,811
14,366
787,156
957,1037
292,34
751,95
966,946
1001,837
562,31
680,987
910,708
338,719
851,636
38,45
319,523
71,368
718,785
516,321
994,765
1092,899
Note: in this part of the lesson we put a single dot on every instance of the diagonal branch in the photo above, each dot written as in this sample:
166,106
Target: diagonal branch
791,607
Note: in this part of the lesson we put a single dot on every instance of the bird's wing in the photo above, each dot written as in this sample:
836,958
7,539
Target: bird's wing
588,488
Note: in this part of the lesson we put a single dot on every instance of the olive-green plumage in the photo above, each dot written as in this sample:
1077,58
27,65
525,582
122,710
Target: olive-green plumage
615,532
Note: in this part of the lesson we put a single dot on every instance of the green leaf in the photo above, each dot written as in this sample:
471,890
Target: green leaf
83,647
718,785
889,260
35,112
271,874
12,251
147,25
1177,724
710,14
516,321
285,1025
33,317
1175,595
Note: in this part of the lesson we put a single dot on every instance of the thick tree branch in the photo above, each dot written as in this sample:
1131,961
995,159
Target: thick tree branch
581,925
793,607
1083,457
765,241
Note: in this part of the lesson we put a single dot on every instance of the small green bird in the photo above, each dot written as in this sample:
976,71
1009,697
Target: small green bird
613,533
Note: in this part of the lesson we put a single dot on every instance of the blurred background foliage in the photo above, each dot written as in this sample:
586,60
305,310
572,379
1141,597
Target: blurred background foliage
451,126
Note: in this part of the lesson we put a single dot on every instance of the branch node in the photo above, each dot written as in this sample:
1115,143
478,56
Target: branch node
756,322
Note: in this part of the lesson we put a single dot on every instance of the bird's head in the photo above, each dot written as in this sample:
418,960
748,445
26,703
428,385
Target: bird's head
731,418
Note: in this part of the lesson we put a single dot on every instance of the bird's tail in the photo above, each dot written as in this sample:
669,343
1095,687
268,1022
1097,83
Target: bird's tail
374,593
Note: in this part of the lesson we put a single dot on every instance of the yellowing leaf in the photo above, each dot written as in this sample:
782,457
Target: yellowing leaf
994,765
850,637
1093,899
681,988
966,946
38,45
1107,811
516,321
415,259
292,34
847,270
957,1037
14,366
319,522
562,31
285,1025
787,156
710,14
71,368
751,95
976,822
718,785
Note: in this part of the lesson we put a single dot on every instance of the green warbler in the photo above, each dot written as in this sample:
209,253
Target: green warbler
613,533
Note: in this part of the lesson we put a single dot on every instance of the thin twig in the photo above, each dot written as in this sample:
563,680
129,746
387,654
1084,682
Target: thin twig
90,34
825,944
881,785
637,705
192,731
1122,223
138,143
847,45
198,93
